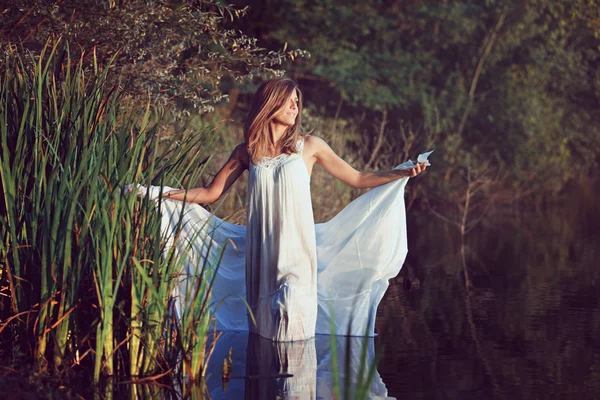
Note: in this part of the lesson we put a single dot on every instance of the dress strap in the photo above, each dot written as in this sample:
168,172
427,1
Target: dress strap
300,145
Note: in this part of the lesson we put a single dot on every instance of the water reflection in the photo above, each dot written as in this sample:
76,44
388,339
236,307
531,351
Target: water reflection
280,370
262,369
528,327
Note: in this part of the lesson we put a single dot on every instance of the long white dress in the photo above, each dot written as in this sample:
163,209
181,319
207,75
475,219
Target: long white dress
281,253
299,279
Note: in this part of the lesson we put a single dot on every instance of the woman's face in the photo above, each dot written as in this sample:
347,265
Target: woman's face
288,113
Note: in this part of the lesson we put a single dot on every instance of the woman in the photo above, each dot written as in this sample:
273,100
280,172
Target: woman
281,244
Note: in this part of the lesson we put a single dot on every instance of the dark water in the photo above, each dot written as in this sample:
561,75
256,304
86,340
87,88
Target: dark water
527,327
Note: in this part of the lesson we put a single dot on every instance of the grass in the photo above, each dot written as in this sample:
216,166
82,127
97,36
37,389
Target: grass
89,275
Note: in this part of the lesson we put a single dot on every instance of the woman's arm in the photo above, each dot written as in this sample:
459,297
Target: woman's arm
229,173
339,168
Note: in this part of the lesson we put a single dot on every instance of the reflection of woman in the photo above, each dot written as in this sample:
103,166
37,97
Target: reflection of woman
293,370
280,240
280,370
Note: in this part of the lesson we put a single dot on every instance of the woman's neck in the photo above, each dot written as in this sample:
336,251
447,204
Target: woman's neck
277,131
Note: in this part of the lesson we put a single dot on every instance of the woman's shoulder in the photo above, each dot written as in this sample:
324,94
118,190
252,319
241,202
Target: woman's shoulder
314,145
242,153
313,141
242,147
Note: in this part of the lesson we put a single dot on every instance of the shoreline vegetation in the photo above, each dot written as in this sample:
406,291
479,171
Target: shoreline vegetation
87,278
507,92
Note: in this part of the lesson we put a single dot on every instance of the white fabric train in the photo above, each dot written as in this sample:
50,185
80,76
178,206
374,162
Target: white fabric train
358,251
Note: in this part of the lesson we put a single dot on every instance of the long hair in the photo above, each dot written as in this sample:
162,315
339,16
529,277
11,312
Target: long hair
270,97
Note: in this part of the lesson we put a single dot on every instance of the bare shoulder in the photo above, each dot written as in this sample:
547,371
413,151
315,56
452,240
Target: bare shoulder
312,140
314,144
240,154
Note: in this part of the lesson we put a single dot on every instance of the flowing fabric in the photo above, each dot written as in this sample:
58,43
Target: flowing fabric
298,278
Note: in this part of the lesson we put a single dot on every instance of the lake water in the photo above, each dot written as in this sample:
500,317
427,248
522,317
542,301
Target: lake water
528,326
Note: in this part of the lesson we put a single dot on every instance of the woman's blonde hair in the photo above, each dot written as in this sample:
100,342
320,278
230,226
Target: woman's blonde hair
270,97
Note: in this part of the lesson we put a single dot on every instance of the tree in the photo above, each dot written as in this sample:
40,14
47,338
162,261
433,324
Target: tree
178,51
504,80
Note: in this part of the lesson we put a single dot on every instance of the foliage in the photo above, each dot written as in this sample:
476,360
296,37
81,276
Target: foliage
178,51
85,265
514,82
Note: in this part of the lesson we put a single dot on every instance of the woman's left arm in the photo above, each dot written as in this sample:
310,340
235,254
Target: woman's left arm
339,168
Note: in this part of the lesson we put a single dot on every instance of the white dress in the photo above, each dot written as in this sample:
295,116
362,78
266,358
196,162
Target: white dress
281,253
299,279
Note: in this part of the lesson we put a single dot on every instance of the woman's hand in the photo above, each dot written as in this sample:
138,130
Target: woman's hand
416,170
153,192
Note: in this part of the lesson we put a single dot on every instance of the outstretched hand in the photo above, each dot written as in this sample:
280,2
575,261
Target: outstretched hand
153,192
412,169
417,169
139,190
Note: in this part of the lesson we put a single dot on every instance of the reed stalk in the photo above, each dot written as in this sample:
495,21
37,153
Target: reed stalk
87,264
354,387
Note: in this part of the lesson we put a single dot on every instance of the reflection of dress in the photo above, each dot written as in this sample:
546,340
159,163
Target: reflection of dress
281,370
357,252
263,369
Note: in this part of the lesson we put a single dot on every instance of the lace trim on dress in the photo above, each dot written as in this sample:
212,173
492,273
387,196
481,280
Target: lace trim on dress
273,162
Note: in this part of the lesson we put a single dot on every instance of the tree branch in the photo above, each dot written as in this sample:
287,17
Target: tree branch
379,141
482,59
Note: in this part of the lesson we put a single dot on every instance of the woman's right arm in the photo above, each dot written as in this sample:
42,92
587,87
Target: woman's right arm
339,168
229,173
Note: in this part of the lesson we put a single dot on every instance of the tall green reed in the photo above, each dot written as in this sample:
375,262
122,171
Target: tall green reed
360,388
88,267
